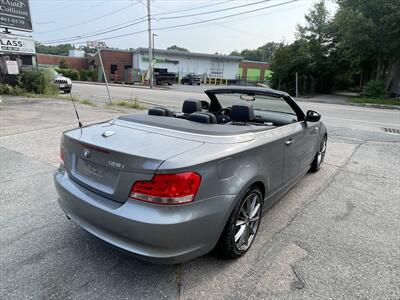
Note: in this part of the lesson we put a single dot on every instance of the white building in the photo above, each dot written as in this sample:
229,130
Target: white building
76,53
185,62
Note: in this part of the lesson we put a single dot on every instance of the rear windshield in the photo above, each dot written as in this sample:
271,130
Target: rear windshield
259,102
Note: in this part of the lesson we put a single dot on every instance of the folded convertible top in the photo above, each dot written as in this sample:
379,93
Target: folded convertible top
190,126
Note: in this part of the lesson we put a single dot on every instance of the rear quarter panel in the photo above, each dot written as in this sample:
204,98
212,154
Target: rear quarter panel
229,169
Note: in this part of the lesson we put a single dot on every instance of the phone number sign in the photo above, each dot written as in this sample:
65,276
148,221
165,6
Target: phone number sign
15,14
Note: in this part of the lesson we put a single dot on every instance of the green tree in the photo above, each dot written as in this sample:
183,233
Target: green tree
367,36
175,47
63,64
310,56
55,50
287,61
264,53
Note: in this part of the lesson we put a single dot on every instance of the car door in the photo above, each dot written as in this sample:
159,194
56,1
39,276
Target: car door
300,148
294,151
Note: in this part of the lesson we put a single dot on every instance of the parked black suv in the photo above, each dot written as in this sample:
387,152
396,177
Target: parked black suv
191,79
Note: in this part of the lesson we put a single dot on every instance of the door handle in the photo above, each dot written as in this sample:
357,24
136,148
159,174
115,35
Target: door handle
288,142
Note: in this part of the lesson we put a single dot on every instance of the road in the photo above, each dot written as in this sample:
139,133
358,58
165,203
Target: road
334,115
334,235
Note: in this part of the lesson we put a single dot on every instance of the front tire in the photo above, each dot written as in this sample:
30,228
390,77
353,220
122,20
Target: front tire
319,157
242,226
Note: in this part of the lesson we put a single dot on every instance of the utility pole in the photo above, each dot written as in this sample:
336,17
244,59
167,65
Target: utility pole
104,74
151,79
297,86
154,57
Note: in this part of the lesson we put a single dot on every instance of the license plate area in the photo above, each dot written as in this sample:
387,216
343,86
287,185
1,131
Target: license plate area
96,175
93,169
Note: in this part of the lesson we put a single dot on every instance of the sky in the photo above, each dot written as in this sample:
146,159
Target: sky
72,20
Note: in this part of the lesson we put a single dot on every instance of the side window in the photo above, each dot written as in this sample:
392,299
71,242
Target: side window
278,105
114,69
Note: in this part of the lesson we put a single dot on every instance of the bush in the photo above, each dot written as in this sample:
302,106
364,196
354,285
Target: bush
39,82
70,73
19,91
374,89
93,75
73,74
63,64
6,89
83,75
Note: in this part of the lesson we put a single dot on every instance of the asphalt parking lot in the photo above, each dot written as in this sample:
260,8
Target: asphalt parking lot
334,235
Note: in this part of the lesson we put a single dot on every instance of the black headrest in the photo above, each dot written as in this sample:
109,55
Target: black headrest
191,106
242,112
160,111
200,117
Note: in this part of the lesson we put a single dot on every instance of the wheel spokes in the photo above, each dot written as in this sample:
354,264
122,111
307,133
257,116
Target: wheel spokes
248,206
247,221
240,222
323,147
254,210
254,219
240,233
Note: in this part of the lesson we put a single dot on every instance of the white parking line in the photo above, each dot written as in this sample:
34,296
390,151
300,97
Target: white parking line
362,121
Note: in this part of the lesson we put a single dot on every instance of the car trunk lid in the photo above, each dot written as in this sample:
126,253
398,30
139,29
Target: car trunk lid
108,159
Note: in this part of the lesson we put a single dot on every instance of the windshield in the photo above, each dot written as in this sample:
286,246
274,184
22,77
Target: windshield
259,102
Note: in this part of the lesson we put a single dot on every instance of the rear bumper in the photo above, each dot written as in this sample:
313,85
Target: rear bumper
161,234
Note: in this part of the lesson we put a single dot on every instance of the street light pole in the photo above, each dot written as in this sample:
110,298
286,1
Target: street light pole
154,34
150,46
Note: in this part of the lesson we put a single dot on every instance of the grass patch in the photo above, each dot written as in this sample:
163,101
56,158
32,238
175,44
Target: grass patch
135,104
384,101
86,102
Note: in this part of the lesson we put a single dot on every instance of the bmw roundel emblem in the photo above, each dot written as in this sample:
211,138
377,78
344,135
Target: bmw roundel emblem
86,153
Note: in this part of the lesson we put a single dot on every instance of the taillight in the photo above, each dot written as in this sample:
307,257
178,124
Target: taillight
62,157
167,188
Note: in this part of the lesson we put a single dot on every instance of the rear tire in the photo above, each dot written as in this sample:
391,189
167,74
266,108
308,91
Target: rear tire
319,157
242,226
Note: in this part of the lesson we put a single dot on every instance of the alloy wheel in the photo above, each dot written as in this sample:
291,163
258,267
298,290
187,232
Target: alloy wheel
321,152
247,221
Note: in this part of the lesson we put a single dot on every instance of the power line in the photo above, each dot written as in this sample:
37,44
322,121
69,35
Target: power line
253,16
90,20
214,11
195,23
220,24
93,34
224,17
189,9
120,26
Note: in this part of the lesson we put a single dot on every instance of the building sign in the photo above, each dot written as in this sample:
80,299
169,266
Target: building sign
12,67
15,14
16,44
161,60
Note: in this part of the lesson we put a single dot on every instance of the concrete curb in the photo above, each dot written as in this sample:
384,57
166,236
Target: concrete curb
379,106
121,85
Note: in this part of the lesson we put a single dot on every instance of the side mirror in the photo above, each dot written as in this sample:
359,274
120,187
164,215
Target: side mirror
312,116
205,105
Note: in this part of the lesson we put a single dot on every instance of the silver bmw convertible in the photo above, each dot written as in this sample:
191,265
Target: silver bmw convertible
170,186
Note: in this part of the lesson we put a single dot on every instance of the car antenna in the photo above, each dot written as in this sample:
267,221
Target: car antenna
76,112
